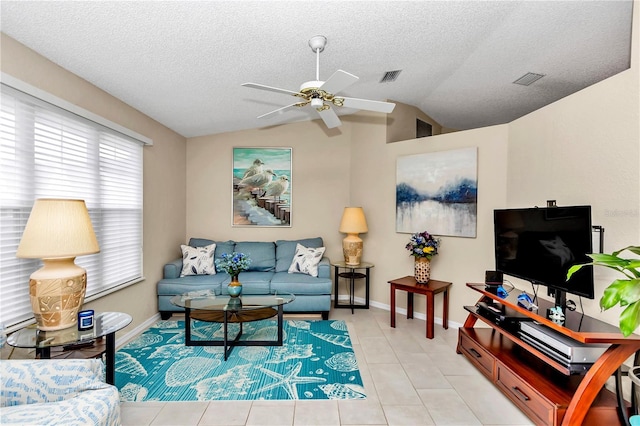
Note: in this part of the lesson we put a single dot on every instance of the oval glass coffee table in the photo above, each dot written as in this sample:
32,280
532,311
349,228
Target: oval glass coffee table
205,306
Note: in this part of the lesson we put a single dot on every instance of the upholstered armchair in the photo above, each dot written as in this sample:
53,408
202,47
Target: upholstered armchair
57,392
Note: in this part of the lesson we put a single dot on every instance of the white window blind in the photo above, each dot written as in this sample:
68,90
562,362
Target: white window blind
46,151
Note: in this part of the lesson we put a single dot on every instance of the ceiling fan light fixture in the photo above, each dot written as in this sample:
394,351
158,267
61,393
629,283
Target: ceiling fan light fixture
320,95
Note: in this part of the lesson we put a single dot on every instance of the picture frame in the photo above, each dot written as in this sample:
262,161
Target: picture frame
437,192
261,187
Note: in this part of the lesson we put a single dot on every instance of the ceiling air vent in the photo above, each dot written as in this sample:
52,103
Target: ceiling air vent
390,76
528,79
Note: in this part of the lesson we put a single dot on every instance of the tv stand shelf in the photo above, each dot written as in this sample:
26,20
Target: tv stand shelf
508,333
546,391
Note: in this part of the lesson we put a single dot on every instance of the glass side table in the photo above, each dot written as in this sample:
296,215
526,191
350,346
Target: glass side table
350,272
104,324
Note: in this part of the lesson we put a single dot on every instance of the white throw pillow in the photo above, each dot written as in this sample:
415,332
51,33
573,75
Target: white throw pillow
198,260
306,260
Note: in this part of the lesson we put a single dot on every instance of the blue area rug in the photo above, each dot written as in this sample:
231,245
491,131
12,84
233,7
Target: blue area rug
316,361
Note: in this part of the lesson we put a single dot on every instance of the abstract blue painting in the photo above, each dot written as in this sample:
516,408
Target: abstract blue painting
261,187
438,192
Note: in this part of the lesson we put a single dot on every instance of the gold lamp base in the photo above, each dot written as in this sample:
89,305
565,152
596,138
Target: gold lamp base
352,249
57,293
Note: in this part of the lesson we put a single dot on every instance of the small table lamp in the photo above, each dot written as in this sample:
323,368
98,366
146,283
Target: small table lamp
57,231
353,223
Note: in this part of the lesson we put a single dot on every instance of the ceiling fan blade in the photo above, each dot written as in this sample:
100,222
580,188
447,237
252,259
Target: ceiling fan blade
279,110
340,80
368,105
269,88
330,118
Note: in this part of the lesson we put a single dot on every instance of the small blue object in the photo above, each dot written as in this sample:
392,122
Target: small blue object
234,290
502,293
525,301
85,320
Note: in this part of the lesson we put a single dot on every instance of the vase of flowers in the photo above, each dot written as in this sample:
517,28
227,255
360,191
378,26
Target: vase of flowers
422,246
233,264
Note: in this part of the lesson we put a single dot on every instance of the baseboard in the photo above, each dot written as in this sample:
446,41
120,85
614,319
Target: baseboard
401,311
134,332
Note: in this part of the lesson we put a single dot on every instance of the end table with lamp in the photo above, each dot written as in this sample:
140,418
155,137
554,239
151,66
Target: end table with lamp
351,274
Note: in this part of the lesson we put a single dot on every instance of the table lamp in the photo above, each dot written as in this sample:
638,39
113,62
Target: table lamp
353,223
57,231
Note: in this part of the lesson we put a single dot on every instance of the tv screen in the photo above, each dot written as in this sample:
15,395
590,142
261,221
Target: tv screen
541,244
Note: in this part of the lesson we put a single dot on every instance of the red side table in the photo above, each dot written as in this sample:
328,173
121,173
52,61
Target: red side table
430,289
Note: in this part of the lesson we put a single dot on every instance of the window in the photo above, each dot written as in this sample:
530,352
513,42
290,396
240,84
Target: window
423,129
47,151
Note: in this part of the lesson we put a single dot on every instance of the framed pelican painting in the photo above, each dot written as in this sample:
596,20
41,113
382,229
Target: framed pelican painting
261,187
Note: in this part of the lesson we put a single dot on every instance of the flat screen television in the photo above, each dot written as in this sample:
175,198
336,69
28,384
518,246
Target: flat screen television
540,245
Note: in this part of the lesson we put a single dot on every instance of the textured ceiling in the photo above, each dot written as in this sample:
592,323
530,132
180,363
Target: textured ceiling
183,62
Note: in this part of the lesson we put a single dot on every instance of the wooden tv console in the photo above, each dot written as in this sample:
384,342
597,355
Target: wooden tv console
548,392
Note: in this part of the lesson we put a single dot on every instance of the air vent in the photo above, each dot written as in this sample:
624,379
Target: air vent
390,76
528,79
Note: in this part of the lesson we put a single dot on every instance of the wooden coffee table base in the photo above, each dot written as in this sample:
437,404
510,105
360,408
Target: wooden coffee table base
232,316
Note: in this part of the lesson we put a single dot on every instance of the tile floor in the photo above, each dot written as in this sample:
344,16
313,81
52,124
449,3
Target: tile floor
409,380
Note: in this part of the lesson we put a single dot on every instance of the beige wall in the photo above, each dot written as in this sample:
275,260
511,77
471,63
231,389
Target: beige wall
462,259
163,179
401,123
585,149
350,166
319,183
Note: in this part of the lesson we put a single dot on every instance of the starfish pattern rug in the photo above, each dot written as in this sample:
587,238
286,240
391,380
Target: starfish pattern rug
316,361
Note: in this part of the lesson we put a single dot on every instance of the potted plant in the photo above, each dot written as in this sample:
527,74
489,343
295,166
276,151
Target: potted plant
625,292
233,264
422,246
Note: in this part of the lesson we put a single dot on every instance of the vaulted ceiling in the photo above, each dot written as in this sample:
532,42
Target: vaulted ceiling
183,62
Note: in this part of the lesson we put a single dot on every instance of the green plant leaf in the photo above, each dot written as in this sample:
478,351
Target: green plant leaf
611,295
629,292
602,259
630,318
632,249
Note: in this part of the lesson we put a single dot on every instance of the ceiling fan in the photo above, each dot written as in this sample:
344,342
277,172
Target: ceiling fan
321,95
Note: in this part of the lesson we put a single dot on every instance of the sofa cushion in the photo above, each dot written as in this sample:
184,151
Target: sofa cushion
285,249
200,242
306,260
253,282
262,254
300,284
198,260
221,246
174,286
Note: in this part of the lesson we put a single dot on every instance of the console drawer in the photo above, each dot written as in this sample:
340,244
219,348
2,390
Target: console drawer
477,354
525,397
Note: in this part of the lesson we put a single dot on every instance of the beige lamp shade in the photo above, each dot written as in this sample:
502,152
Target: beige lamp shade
57,231
58,228
353,223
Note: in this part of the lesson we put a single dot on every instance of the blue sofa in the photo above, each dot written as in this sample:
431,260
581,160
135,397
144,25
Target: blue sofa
268,272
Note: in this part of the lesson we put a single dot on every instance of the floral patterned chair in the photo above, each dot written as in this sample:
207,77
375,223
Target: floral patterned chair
57,392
